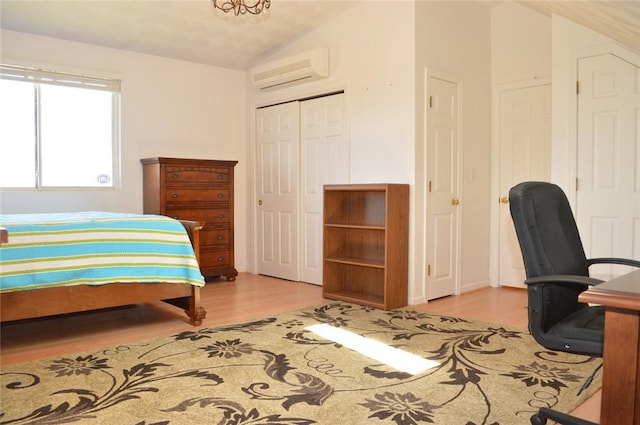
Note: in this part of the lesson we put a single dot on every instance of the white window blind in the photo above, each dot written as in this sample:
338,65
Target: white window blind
34,75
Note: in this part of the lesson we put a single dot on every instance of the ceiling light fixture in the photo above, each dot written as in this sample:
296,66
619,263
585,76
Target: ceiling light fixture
242,7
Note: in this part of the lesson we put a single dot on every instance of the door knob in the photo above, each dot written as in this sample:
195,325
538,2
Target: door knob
504,200
455,201
259,201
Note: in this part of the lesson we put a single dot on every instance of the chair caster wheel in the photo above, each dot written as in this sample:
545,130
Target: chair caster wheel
538,420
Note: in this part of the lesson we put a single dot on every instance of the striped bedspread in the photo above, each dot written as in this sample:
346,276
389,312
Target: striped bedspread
95,248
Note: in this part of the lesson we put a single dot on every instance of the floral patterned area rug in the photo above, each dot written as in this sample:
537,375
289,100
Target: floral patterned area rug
276,371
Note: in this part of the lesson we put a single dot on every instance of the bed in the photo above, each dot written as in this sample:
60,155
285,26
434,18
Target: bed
62,263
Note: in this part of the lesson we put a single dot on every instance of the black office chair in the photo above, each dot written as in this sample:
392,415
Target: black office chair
557,272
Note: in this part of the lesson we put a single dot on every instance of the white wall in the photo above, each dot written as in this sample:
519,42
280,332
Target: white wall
378,54
169,108
371,58
453,40
371,47
520,56
520,44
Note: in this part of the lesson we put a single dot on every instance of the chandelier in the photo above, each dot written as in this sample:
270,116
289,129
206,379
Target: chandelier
242,7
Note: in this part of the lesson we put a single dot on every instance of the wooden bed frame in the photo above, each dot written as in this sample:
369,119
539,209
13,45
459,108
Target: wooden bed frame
70,299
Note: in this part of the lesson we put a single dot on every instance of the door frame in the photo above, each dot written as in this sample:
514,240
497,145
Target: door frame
494,225
421,276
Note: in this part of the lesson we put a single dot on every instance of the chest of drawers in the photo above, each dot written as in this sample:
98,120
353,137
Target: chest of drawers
200,190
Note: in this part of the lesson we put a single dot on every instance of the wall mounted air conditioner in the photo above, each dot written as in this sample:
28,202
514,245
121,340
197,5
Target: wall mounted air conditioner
297,69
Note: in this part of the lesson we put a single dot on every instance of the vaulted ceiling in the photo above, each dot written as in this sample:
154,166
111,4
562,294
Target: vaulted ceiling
619,20
193,30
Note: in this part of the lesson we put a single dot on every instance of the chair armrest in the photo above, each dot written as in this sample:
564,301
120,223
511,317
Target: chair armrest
563,278
609,260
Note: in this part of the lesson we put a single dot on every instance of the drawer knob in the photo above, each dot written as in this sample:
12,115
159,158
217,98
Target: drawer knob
174,176
174,195
220,258
220,237
220,195
220,215
220,176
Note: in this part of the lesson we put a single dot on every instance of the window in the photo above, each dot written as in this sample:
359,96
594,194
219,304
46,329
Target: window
58,130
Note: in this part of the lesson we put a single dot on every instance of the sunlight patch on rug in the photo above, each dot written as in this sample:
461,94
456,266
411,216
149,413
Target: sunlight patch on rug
376,350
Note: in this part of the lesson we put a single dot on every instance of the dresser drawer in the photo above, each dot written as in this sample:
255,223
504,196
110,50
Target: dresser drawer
212,259
197,195
209,216
212,236
175,174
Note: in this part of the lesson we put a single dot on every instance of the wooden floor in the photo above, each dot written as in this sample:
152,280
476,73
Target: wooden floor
249,297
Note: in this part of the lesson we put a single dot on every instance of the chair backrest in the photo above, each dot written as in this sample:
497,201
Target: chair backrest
546,229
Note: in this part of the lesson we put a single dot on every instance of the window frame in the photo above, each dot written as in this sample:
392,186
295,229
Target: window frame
43,75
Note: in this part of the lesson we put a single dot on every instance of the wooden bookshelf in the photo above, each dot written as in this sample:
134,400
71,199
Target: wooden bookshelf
366,231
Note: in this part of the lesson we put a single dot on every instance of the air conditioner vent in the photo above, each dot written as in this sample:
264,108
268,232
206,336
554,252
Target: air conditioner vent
285,72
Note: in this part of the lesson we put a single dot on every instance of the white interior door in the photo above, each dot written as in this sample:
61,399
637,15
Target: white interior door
277,177
608,176
442,188
324,161
524,131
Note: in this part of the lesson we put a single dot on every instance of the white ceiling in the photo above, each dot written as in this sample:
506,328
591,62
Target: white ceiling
193,30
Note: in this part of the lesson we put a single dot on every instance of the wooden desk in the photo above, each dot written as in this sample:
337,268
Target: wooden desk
621,354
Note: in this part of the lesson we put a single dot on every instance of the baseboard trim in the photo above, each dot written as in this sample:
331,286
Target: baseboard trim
474,285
